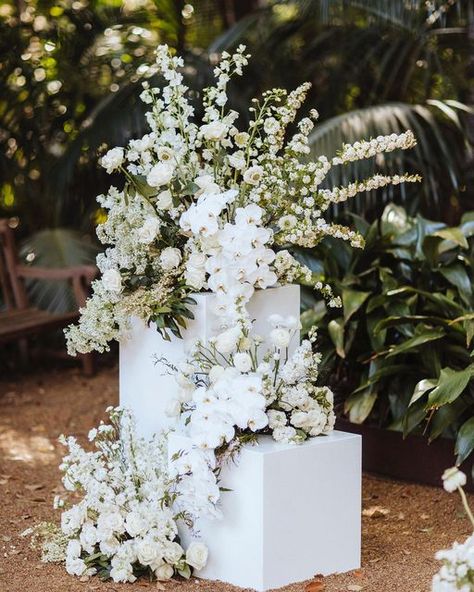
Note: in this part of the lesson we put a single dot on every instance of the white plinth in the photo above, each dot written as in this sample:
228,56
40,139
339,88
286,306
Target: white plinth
294,511
146,388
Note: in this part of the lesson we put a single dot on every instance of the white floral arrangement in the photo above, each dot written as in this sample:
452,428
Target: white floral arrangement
208,206
457,571
125,523
231,392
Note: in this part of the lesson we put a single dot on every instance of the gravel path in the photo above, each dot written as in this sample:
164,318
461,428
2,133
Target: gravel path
399,538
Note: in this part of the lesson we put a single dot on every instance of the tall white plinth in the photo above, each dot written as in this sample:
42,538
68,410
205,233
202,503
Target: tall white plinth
293,511
147,387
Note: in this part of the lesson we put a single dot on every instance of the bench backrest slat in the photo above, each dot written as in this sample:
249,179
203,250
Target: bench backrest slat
13,289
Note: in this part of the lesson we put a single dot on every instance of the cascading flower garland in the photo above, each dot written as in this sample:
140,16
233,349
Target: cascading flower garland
207,206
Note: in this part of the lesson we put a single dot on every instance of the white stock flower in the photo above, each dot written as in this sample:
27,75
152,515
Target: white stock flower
196,555
214,131
170,258
113,159
160,174
112,280
453,479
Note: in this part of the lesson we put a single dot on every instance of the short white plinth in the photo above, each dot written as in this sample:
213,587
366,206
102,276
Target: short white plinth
294,511
146,387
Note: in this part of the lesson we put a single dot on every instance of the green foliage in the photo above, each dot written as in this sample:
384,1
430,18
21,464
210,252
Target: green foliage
400,349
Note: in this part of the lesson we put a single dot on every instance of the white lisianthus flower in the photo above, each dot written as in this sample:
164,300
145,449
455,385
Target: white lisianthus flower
287,222
149,231
165,154
253,175
241,139
453,479
280,337
75,566
237,160
196,555
170,258
164,572
113,159
164,200
112,280
207,185
214,131
284,434
148,552
215,373
160,174
243,362
195,277
73,549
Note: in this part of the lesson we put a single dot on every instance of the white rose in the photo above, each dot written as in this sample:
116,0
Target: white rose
148,232
148,552
112,280
453,479
173,408
172,552
88,536
164,572
135,524
195,277
243,362
164,201
300,419
112,160
160,174
280,337
170,258
253,175
284,434
196,555
214,131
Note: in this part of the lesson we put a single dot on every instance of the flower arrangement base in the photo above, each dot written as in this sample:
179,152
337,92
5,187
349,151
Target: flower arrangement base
146,387
293,511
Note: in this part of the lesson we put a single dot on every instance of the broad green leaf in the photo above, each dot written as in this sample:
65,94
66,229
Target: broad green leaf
386,370
454,235
352,300
465,440
336,333
416,341
422,387
457,276
142,187
360,405
394,321
451,384
394,220
445,419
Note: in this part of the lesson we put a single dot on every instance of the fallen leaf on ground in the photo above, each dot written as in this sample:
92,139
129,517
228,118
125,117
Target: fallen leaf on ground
375,512
354,588
35,486
316,585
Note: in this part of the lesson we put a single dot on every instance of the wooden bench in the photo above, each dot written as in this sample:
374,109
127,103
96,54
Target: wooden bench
19,320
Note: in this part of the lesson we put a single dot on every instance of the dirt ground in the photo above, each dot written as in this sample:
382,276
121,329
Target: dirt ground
399,540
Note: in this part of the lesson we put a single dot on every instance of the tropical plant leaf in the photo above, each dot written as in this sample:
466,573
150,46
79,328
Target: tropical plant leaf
465,440
422,387
336,332
451,385
352,300
414,342
359,405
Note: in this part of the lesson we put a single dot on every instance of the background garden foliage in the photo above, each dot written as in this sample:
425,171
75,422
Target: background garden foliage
400,348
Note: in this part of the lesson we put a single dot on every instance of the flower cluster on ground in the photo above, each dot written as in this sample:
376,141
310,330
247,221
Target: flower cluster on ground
208,206
125,522
457,571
